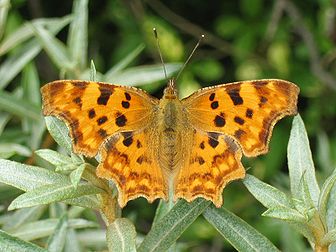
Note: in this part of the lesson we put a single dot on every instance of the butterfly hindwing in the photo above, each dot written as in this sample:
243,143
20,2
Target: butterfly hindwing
246,111
94,111
129,159
213,161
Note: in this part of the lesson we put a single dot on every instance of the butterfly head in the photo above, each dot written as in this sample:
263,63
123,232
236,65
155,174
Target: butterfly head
170,92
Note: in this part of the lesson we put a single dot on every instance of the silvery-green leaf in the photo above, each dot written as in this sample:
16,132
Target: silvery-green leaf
76,175
54,157
59,132
300,161
121,235
57,240
11,244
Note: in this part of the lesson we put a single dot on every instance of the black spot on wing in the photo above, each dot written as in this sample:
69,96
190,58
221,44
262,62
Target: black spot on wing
125,104
235,96
212,97
220,120
249,113
128,138
92,113
239,120
238,133
105,93
78,101
102,133
214,104
127,96
79,84
120,119
101,120
213,139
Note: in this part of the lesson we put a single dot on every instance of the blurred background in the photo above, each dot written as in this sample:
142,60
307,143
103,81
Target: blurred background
245,39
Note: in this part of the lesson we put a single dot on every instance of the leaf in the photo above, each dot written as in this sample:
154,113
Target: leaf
324,195
12,244
300,161
23,216
54,157
72,242
17,61
267,195
172,225
236,231
87,201
12,149
57,240
59,132
121,235
54,48
142,74
162,209
43,228
18,107
27,177
76,175
4,119
78,37
123,63
25,32
52,193
93,72
4,8
285,213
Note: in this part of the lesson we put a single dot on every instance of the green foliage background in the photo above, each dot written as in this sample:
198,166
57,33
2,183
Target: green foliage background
245,39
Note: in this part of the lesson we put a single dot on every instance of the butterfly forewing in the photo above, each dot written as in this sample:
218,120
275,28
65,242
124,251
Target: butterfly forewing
94,111
245,111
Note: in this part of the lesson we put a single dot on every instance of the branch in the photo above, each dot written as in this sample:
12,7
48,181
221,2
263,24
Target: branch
307,37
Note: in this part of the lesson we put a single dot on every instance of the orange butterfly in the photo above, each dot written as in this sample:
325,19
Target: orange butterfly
190,147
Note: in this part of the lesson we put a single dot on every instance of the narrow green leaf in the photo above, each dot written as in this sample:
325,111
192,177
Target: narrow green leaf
13,244
324,195
162,209
124,62
142,74
13,149
52,193
92,238
54,157
267,195
23,216
25,32
172,225
121,235
18,107
31,84
43,228
54,48
76,175
236,231
93,72
87,201
17,61
27,177
300,161
78,37
285,213
331,211
72,242
4,119
57,240
4,8
59,132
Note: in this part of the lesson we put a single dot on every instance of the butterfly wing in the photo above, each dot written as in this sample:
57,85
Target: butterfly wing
245,111
213,161
94,111
115,120
130,160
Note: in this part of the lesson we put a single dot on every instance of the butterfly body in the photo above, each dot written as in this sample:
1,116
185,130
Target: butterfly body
190,147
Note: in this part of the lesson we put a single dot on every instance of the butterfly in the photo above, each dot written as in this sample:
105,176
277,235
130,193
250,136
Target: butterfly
190,147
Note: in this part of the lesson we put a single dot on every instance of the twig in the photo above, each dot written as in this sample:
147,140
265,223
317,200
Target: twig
277,12
189,27
307,37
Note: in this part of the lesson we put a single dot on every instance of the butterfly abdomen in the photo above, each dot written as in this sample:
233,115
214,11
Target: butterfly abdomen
170,134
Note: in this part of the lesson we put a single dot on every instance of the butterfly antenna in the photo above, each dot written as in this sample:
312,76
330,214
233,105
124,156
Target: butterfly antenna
159,49
191,54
